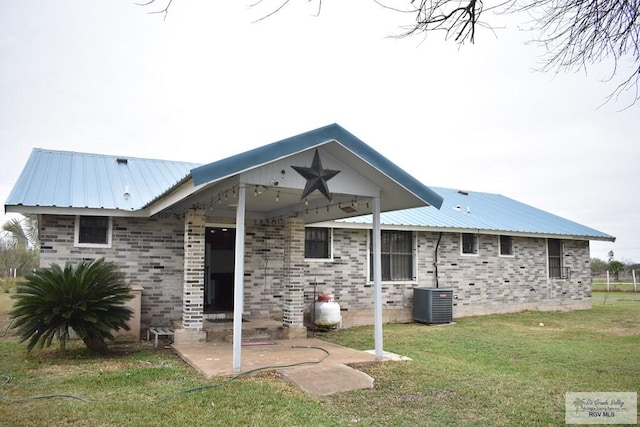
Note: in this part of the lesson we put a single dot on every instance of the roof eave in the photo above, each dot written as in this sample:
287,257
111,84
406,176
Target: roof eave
86,211
411,227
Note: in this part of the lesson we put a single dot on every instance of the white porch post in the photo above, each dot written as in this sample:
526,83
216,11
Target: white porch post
238,281
377,279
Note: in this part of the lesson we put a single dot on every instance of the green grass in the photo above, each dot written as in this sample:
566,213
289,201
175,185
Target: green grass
497,370
614,286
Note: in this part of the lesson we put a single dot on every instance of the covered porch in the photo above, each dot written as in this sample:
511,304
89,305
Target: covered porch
267,196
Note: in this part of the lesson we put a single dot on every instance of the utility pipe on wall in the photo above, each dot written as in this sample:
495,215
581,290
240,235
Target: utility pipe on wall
435,260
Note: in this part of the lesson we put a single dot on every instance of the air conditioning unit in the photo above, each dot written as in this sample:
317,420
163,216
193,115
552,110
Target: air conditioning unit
432,305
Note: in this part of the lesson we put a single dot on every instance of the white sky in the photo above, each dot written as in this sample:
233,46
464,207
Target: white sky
104,76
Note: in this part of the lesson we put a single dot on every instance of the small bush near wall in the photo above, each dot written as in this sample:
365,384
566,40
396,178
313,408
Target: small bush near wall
8,285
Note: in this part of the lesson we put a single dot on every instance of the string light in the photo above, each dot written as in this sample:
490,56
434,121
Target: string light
354,203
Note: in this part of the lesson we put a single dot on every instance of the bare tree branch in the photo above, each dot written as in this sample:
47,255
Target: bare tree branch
576,34
280,7
283,4
457,18
165,11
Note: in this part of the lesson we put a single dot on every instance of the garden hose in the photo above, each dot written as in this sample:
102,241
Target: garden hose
7,379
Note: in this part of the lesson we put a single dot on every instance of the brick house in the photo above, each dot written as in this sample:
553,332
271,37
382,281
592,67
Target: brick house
320,211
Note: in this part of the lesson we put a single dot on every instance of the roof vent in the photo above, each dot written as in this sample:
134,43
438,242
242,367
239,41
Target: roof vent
122,161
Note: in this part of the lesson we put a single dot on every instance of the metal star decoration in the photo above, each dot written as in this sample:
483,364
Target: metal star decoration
316,177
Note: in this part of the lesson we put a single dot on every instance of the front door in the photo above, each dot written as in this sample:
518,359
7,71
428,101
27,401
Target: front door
218,270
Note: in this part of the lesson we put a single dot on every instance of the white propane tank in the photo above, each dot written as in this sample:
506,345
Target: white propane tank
327,311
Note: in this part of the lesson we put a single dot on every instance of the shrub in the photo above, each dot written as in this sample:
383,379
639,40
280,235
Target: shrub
7,285
87,298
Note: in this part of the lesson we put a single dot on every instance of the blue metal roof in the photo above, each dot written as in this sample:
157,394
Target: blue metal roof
295,144
475,211
66,179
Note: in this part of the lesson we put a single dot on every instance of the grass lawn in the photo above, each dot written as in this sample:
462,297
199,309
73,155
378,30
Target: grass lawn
614,286
484,371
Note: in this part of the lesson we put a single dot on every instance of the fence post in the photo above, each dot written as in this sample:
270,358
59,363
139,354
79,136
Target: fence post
635,284
607,280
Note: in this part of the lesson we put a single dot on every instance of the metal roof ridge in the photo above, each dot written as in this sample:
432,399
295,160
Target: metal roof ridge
113,156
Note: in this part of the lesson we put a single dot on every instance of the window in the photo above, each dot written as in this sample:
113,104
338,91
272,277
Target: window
93,231
317,243
469,243
556,269
506,245
396,249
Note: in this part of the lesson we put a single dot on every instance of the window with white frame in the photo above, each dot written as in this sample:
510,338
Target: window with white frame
93,231
317,243
469,243
397,249
506,245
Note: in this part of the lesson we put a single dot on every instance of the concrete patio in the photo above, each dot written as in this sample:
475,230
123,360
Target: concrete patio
316,366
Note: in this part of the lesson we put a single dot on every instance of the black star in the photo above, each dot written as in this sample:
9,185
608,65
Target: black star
316,177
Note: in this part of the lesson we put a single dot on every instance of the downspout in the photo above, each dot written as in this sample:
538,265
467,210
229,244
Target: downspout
435,259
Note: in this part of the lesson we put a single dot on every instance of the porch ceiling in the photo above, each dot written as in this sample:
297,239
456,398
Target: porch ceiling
273,202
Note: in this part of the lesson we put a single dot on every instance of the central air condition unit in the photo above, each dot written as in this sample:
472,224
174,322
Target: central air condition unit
432,305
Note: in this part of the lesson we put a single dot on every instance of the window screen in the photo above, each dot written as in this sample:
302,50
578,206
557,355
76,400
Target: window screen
316,242
93,229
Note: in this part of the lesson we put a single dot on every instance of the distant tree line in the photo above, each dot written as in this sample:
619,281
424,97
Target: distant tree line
614,267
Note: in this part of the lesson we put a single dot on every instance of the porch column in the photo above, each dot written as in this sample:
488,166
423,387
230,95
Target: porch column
294,280
193,283
377,279
238,281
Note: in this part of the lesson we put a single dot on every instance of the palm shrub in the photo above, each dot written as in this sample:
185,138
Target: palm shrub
88,298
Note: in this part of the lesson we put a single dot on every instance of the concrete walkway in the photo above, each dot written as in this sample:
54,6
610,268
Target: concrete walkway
317,367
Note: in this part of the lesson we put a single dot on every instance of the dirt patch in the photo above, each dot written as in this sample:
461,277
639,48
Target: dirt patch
111,366
62,370
409,397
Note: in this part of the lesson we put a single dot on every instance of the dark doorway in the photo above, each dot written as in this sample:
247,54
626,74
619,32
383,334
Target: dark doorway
219,267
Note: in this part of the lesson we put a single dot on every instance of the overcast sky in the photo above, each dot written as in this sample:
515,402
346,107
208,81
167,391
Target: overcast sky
104,76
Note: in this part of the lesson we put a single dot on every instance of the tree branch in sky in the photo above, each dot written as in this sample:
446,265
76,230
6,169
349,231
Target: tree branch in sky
575,34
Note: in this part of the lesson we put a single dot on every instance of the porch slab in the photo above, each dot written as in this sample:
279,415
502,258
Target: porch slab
304,362
330,379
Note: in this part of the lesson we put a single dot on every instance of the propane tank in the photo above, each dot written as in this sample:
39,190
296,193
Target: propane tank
327,311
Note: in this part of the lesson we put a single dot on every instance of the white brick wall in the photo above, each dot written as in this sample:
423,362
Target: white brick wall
279,281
